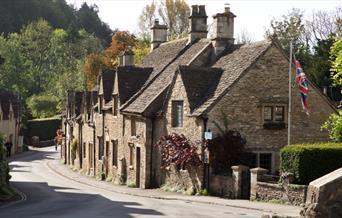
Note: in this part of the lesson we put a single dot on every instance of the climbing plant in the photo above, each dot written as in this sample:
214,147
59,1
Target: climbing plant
177,150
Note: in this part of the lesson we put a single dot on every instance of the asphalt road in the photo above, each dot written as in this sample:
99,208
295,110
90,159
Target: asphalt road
50,195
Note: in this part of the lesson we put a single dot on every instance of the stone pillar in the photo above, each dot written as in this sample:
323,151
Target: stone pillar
256,175
237,177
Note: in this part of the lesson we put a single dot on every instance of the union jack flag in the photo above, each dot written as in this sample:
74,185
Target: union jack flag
303,86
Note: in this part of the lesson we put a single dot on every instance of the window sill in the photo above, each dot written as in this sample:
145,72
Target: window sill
115,167
274,125
131,167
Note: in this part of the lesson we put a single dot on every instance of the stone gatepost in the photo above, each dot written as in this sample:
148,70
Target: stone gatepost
256,175
237,178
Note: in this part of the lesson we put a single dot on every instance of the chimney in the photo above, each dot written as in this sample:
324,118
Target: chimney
198,23
158,34
223,30
128,58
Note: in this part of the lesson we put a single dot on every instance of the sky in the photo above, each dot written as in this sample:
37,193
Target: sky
253,16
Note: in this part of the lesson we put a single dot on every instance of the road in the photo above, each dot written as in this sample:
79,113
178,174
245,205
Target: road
50,195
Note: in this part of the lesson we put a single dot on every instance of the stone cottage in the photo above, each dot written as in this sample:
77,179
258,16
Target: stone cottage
184,85
10,119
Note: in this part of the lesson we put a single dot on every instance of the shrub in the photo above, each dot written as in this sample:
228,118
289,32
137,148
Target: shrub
310,161
43,106
44,128
334,126
178,150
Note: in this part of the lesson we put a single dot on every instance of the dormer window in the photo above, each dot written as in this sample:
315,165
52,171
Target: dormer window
115,105
177,113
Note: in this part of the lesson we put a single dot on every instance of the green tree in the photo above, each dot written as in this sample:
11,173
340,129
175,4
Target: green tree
42,106
146,20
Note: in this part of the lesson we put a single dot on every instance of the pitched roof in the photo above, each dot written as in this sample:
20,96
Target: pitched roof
234,64
130,80
107,82
160,82
199,83
6,99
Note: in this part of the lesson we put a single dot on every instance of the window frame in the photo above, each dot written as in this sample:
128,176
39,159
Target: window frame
133,127
177,116
131,154
115,144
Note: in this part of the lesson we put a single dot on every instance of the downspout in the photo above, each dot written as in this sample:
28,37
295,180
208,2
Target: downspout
205,122
65,141
151,156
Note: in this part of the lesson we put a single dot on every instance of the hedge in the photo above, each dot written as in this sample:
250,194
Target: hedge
310,161
44,128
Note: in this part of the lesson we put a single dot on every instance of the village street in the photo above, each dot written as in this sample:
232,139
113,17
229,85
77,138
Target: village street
48,194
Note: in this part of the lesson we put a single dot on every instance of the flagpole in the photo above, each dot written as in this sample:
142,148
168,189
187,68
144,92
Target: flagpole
289,110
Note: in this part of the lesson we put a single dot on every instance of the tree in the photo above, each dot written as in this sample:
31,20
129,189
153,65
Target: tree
336,61
146,20
121,41
42,106
141,49
175,14
289,27
244,37
93,65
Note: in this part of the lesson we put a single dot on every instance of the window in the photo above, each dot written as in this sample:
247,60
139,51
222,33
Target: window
274,117
115,105
115,152
91,162
100,104
268,113
133,127
177,113
84,150
101,148
265,161
131,147
279,114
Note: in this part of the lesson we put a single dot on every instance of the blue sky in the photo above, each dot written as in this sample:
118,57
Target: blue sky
253,16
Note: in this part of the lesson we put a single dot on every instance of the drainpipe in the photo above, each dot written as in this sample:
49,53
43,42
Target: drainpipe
65,141
205,122
151,156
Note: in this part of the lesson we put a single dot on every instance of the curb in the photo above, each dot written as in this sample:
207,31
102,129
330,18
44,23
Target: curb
157,197
22,195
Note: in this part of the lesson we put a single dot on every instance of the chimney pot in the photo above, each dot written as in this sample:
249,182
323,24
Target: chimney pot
198,23
158,34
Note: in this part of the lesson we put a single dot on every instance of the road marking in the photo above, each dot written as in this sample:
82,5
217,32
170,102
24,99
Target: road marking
22,195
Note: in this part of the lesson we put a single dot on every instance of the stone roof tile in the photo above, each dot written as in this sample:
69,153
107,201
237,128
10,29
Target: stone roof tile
234,64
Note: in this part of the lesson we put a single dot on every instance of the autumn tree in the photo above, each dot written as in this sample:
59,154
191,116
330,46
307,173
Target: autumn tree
93,65
121,41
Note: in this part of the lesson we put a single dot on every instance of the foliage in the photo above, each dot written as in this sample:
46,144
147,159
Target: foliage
141,49
334,126
226,151
44,61
336,61
73,146
57,13
308,162
174,14
178,150
93,65
146,20
223,130
121,41
289,27
44,128
42,106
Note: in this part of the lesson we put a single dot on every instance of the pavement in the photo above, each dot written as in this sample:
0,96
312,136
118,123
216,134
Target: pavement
51,189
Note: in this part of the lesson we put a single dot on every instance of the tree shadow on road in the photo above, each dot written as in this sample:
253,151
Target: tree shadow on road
53,201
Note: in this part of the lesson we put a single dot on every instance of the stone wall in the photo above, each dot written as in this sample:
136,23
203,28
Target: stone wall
244,103
278,192
324,197
222,186
193,129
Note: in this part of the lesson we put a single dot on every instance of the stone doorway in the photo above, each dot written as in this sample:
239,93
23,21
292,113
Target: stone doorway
137,176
